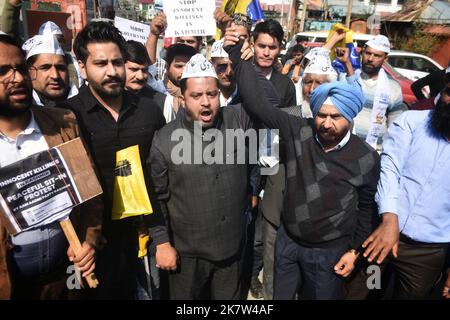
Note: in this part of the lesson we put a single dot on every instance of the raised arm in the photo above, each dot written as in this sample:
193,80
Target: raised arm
157,26
255,88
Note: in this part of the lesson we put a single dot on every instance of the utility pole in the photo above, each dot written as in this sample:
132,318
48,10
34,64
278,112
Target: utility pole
282,13
302,22
349,13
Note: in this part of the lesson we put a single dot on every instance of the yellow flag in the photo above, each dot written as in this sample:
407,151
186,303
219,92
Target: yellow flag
348,38
130,192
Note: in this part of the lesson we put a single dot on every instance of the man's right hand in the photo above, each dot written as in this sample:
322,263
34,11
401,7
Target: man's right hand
383,240
222,19
159,24
166,257
446,290
232,38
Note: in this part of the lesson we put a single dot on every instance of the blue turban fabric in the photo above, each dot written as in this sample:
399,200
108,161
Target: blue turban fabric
348,99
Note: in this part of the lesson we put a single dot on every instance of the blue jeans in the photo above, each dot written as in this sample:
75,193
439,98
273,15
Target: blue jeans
308,271
32,260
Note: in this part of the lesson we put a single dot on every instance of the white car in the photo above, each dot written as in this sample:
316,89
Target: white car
412,65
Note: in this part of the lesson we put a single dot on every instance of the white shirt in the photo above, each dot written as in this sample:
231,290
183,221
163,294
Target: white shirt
225,102
28,142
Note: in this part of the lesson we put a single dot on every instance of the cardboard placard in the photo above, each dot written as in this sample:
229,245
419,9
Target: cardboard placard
132,30
45,186
190,18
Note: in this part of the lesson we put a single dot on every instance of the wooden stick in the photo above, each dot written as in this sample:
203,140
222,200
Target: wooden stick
75,243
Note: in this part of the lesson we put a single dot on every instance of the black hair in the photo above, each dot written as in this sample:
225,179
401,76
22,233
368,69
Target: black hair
179,49
242,20
97,32
270,27
136,52
4,38
297,48
300,38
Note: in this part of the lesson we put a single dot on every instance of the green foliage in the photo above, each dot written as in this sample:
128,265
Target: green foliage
420,42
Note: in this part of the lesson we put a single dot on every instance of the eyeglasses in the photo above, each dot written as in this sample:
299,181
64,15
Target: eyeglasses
223,67
8,73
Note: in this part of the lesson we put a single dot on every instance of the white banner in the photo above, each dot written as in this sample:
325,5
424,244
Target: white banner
190,18
132,30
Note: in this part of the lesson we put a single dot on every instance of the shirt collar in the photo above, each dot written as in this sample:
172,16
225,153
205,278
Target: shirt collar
340,145
225,102
32,128
91,102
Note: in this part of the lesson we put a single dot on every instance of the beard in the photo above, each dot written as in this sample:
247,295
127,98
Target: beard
440,119
370,69
9,109
108,93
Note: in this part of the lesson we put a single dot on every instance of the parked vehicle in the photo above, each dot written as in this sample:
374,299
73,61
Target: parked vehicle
408,96
413,65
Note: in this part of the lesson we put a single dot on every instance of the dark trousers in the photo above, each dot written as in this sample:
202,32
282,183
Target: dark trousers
198,278
305,270
120,272
272,206
253,261
269,232
415,272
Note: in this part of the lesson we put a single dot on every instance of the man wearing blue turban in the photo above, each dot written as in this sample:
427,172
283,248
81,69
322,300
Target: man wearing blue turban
331,180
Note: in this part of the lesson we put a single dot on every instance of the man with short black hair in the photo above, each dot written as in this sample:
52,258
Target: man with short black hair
117,125
177,56
137,73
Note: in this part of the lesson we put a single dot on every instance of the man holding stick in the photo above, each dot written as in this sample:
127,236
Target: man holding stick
33,263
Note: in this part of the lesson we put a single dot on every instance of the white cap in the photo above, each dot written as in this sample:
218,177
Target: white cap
42,44
49,27
320,64
380,42
217,50
198,67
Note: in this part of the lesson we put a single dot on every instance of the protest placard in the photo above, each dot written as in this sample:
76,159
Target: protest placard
43,187
132,30
190,18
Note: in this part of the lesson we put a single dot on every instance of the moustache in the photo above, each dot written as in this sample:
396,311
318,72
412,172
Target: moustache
139,81
112,80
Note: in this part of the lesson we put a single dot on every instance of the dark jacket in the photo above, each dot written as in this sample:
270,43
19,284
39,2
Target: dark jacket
206,203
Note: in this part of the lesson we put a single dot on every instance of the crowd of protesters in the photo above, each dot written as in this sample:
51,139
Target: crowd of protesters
346,180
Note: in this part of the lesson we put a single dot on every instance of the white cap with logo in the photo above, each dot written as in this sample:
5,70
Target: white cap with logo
217,50
320,63
198,67
50,27
380,42
42,44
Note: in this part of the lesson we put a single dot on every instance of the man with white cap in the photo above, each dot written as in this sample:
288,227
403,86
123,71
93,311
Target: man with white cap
51,28
331,178
205,200
47,65
33,263
384,100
